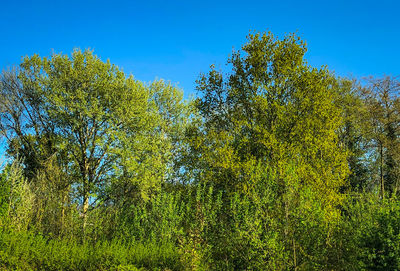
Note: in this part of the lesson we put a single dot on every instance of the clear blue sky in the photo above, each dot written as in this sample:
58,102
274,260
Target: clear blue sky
176,40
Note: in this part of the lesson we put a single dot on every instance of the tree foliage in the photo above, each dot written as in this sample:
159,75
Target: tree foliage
274,109
276,165
101,126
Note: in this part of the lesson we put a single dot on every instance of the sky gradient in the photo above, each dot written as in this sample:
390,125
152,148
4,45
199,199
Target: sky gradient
177,40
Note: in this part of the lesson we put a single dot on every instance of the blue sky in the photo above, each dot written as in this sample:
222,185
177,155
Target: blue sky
176,40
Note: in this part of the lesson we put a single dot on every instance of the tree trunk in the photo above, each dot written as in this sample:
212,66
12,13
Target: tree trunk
381,171
86,183
64,203
85,211
294,254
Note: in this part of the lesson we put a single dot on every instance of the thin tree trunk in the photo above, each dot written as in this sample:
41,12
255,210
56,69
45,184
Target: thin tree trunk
86,183
85,209
294,254
381,171
64,202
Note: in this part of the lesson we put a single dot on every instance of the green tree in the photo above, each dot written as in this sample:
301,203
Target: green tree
382,119
353,135
273,107
104,129
23,124
275,112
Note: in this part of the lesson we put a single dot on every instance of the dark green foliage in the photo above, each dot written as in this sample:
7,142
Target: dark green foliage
380,122
352,136
375,228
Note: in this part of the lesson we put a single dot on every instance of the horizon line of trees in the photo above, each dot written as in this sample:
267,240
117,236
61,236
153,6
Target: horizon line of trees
276,165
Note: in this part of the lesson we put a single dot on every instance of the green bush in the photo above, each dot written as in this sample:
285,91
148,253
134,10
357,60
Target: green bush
273,225
375,225
28,251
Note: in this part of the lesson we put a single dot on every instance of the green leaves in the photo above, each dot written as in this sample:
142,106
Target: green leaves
105,129
251,175
273,108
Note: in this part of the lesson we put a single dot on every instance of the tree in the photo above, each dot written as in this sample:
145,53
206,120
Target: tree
23,124
352,135
274,113
382,122
103,127
275,109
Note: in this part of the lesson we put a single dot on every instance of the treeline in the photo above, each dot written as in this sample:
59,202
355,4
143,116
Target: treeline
276,165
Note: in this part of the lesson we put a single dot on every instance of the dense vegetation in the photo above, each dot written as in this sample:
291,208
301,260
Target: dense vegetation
276,165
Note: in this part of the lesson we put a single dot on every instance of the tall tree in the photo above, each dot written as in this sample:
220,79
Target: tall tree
381,97
275,109
272,124
352,135
23,124
102,126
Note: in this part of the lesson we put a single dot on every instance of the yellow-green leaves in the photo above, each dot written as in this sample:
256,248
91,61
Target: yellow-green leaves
105,128
275,109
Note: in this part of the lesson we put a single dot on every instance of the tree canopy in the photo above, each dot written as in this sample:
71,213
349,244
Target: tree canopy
275,109
102,127
275,165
